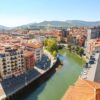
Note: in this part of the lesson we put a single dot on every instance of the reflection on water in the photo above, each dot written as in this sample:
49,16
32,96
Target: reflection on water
55,87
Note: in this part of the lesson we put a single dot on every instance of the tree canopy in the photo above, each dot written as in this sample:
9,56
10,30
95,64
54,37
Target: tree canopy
51,45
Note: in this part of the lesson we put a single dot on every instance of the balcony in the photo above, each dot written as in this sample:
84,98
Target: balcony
15,64
5,71
4,63
12,69
3,59
2,55
12,63
22,59
13,58
4,67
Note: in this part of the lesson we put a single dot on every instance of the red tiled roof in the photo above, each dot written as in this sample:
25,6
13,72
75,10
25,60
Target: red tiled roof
34,45
83,90
28,53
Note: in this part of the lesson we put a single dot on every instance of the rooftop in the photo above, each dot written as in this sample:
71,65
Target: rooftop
83,90
27,53
34,45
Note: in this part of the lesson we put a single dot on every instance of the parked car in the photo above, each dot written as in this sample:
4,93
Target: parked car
92,59
91,62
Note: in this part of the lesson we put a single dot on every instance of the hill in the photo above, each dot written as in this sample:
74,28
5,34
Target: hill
68,23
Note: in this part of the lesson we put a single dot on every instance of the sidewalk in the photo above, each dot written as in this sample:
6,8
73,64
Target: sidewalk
90,72
39,70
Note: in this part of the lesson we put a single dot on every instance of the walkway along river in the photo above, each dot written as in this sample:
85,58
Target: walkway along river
55,87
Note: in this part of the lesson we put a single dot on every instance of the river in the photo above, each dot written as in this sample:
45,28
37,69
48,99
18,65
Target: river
55,87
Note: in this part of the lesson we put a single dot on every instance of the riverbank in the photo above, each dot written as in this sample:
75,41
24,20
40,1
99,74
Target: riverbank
91,73
55,86
76,57
88,81
10,86
21,94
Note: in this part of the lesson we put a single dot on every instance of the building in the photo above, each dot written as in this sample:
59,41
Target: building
65,32
41,38
61,35
97,45
29,60
82,31
83,90
11,62
37,49
89,48
77,35
93,45
93,33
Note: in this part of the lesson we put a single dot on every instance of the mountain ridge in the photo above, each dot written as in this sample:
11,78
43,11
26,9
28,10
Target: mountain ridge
67,23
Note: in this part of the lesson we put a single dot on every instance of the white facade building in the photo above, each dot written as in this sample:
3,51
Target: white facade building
11,63
36,48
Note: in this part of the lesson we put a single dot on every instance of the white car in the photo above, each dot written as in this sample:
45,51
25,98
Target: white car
84,73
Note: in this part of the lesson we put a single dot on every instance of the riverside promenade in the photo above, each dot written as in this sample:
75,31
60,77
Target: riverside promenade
12,85
90,73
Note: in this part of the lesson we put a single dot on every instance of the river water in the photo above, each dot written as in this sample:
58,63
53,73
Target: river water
55,87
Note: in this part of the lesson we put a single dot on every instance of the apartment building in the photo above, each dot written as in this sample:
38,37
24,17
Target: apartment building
41,38
97,45
78,35
11,62
29,60
93,46
93,33
82,31
37,49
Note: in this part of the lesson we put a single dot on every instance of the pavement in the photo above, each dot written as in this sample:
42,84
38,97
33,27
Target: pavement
91,72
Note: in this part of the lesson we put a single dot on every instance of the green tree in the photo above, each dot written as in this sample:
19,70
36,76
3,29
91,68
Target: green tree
77,49
81,51
54,53
51,45
45,42
69,47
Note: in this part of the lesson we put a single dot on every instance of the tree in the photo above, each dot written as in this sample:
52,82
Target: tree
45,42
69,47
51,45
77,49
81,52
54,53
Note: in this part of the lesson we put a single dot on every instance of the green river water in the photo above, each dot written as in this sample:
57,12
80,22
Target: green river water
55,87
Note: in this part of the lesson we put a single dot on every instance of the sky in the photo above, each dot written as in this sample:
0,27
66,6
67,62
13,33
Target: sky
19,12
